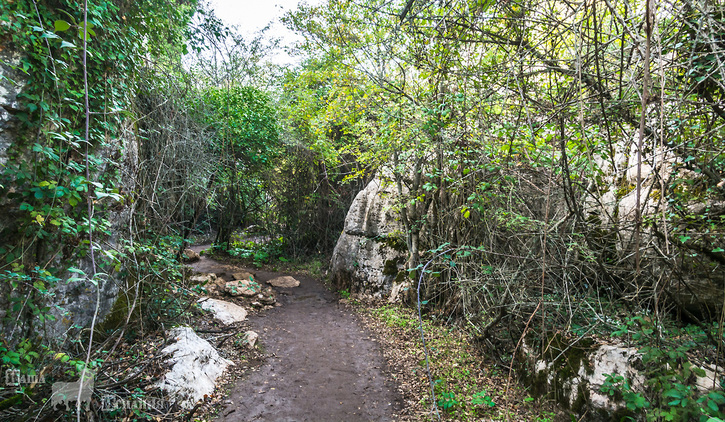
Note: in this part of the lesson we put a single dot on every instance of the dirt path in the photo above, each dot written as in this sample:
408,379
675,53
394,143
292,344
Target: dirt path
322,365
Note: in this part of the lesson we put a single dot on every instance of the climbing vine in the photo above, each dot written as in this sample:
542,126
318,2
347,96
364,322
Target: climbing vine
61,187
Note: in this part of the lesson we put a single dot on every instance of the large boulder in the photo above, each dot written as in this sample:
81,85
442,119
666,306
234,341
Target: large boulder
573,374
371,251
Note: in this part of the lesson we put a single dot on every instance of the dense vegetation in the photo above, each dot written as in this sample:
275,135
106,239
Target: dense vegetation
560,167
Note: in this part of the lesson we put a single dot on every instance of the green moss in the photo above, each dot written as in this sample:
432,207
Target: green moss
582,399
401,276
391,267
12,401
394,241
118,314
566,360
624,188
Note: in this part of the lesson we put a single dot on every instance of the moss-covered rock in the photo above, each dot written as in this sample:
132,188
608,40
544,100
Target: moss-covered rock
571,371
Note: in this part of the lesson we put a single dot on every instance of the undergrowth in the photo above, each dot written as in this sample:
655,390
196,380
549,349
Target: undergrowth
468,384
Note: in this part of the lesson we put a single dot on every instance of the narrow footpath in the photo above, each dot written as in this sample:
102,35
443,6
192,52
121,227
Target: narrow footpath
321,366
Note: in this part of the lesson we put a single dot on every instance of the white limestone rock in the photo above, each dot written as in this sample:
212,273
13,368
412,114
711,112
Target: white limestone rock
226,312
250,339
242,288
195,367
284,282
370,251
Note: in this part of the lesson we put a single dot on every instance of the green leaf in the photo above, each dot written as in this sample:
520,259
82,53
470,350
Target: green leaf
718,397
713,406
673,393
61,25
66,44
716,250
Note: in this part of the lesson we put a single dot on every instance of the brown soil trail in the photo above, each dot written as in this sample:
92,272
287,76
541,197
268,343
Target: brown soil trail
321,366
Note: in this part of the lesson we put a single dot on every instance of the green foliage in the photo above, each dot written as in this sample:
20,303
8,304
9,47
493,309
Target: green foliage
246,123
482,398
447,400
668,392
59,187
259,252
392,316
247,142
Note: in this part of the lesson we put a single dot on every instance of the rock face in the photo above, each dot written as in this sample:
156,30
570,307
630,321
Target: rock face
76,302
574,374
196,365
284,282
577,377
371,251
73,302
11,84
226,312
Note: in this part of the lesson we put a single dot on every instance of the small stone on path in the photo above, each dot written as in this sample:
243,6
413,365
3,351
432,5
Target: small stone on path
226,312
203,278
284,281
242,287
243,276
250,338
190,255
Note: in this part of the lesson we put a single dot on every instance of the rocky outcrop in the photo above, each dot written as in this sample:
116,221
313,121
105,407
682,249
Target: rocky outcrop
371,251
574,373
195,367
73,300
